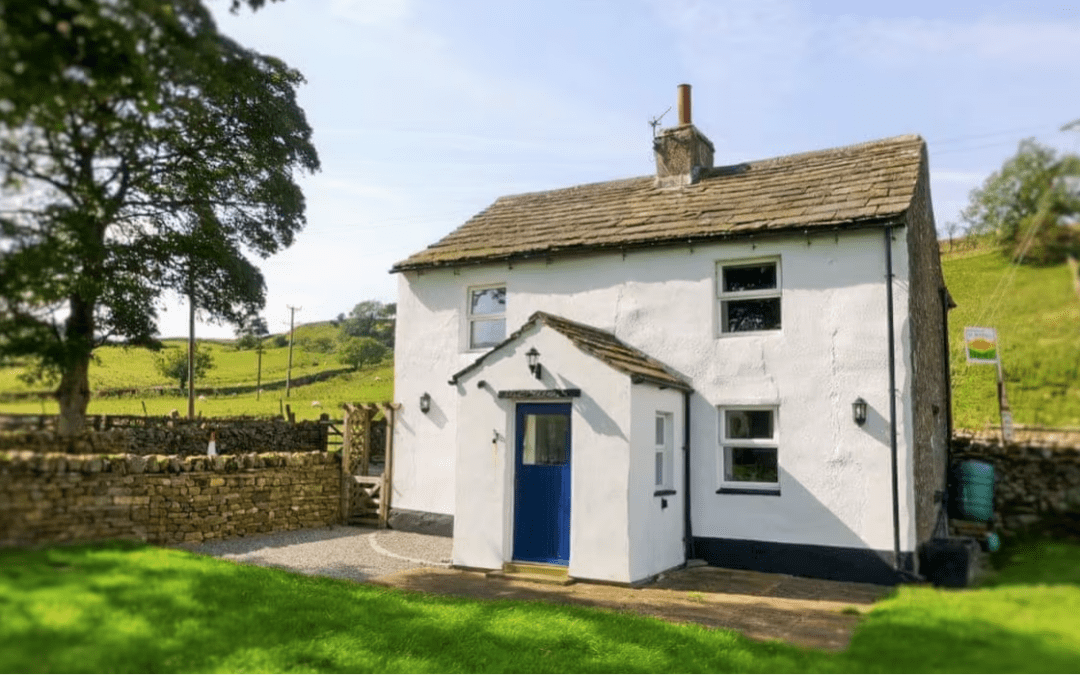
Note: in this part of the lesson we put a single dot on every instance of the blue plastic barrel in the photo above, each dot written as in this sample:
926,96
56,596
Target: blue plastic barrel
973,491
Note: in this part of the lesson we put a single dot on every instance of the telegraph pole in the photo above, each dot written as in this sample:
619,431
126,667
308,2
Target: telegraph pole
292,322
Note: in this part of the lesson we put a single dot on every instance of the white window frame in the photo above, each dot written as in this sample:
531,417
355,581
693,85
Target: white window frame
470,318
723,297
726,444
664,451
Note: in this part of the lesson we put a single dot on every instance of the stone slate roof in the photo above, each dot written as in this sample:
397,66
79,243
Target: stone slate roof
856,186
599,344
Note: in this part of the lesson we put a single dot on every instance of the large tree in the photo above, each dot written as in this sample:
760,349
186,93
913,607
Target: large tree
141,151
1030,203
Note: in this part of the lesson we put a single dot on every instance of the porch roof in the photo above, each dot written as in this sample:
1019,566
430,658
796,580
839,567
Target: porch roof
599,344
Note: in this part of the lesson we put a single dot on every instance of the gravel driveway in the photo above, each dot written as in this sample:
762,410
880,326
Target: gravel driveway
355,553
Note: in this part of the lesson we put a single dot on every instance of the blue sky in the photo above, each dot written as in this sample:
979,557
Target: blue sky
426,111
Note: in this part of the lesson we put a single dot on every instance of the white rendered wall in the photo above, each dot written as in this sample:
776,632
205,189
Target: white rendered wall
656,532
835,476
599,456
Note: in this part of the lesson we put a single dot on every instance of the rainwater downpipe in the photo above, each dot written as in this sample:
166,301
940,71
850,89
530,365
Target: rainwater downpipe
892,398
688,532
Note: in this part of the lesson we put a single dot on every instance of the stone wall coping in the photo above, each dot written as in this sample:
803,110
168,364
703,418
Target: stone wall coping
23,461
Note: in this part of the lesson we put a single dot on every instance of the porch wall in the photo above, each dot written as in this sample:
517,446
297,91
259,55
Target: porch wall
656,520
600,461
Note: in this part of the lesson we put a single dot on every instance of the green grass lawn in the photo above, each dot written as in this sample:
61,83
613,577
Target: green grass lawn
1037,317
133,608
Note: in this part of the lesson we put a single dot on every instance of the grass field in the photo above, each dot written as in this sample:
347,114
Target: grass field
126,607
128,368
1037,316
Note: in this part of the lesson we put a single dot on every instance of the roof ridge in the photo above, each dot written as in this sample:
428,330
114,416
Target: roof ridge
891,140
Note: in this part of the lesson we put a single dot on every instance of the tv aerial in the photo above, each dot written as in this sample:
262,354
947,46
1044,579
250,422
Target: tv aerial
655,122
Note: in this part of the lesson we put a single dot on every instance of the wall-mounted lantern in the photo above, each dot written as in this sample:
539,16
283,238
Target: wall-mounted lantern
425,402
858,411
534,362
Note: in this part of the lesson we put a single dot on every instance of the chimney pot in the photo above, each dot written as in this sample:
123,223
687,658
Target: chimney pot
684,104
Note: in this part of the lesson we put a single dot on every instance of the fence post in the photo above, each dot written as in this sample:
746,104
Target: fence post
346,471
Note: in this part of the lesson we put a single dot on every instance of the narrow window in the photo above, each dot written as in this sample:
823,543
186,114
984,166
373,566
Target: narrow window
749,295
749,449
487,316
664,441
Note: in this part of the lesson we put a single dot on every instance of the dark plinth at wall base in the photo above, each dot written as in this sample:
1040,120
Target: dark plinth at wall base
421,522
804,560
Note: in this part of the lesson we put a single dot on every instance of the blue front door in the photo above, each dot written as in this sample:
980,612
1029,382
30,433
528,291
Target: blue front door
542,483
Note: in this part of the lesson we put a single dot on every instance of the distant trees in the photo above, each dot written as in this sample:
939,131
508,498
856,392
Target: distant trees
1028,204
372,319
251,333
173,364
358,352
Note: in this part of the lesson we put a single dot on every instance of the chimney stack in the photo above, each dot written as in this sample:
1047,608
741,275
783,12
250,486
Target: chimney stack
682,151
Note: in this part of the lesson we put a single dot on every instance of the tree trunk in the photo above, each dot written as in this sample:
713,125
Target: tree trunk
74,395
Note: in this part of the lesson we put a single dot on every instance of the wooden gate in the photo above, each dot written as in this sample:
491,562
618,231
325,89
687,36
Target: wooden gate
365,498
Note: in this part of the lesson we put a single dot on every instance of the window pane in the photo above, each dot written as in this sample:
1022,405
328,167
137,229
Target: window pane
659,467
660,440
487,333
746,315
750,277
545,440
488,301
749,424
751,465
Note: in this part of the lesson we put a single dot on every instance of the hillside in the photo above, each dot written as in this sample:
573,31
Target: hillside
133,368
1037,316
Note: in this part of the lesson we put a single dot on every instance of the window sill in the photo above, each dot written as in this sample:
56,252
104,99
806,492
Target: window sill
740,333
764,492
663,493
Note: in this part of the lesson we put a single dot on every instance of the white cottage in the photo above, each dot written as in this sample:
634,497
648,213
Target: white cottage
745,364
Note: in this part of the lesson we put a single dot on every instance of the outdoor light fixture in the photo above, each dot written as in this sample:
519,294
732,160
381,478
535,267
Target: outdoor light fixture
534,362
858,409
425,402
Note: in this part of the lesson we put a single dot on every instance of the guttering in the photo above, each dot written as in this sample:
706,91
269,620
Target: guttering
688,530
892,398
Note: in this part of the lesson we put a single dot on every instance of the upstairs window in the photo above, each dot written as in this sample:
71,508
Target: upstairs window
487,316
749,295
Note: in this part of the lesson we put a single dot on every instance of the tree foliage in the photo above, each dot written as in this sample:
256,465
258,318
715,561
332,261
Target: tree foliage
370,318
1030,204
251,332
141,151
358,352
173,364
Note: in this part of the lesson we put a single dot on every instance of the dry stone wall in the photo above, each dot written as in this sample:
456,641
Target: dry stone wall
50,497
174,436
1035,482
